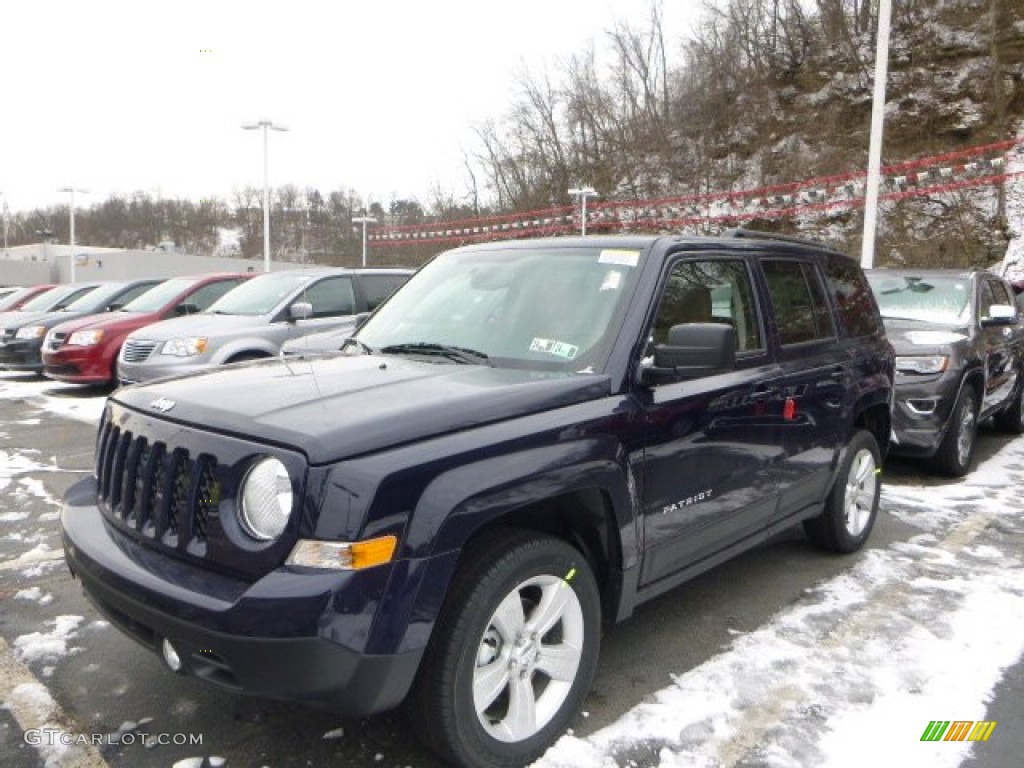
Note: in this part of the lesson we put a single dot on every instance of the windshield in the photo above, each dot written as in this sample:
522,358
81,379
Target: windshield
941,300
544,308
259,295
49,299
157,298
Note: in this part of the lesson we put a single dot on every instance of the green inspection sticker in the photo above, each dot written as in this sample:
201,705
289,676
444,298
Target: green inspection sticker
557,348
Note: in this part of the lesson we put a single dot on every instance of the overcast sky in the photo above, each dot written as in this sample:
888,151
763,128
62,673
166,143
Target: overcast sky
379,96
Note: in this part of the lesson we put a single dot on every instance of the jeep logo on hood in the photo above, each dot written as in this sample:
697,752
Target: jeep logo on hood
162,404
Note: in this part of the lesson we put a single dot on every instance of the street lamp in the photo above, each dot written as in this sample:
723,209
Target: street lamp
265,125
583,193
364,220
71,191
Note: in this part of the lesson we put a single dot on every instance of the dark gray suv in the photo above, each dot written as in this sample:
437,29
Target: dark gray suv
959,342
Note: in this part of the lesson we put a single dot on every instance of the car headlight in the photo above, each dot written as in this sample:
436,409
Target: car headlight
190,347
31,332
265,499
84,338
929,364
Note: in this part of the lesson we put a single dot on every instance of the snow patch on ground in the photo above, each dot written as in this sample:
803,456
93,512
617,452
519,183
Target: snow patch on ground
73,402
35,595
48,646
919,630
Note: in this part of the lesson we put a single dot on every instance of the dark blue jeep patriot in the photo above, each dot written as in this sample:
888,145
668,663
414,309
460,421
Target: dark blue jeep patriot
527,440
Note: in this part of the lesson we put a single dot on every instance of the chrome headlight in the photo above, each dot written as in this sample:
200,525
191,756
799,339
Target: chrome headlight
265,499
190,347
84,338
929,364
31,332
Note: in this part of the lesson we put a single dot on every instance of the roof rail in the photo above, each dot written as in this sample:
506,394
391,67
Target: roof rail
759,235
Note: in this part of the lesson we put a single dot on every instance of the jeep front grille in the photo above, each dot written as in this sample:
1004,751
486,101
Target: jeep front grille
136,351
162,492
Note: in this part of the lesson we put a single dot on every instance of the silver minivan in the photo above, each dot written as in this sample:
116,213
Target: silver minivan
254,320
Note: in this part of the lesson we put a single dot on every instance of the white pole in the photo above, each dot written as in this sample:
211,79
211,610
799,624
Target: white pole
583,193
266,125
364,220
266,203
867,257
71,238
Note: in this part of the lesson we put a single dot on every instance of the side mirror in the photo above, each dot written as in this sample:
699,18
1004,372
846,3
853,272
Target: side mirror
693,350
361,319
1000,314
186,309
114,307
300,310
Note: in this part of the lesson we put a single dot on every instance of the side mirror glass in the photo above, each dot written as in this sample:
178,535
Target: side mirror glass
1000,314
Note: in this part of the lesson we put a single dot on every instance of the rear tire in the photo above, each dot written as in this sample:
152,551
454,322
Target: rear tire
852,504
513,653
957,448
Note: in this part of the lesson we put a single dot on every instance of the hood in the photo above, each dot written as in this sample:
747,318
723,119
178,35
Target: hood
202,324
909,337
106,320
336,407
23,319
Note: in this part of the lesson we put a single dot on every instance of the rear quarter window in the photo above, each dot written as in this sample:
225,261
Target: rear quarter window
852,297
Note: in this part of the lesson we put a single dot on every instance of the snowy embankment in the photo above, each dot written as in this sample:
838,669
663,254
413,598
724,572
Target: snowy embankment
853,674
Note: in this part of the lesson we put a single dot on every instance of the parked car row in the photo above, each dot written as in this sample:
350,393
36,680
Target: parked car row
130,331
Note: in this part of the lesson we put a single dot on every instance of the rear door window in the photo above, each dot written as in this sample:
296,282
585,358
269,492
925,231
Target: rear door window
377,288
798,299
209,293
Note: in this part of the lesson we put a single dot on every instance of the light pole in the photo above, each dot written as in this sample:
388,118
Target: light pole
364,220
583,193
6,218
266,125
71,191
867,253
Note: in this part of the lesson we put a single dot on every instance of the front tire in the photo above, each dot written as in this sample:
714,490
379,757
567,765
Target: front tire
513,654
852,504
957,448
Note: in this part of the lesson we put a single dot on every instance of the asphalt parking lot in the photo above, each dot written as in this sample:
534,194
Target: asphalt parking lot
65,670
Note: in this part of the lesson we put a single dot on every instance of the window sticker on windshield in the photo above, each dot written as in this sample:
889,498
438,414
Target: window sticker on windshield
620,257
612,281
556,348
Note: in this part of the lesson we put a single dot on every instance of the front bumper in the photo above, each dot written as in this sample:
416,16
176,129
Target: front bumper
289,635
21,355
76,365
922,406
159,366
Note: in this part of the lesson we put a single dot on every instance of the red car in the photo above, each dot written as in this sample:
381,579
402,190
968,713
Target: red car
15,299
84,350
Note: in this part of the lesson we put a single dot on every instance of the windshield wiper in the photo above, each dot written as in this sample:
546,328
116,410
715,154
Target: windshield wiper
457,354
